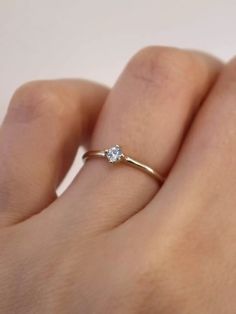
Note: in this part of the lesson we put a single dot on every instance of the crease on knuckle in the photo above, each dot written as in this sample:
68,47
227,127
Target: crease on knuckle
160,65
34,100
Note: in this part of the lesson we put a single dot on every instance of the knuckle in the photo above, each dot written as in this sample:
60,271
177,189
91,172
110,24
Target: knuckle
159,64
148,279
144,276
35,100
231,70
232,63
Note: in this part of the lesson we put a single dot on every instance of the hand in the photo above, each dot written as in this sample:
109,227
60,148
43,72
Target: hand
115,242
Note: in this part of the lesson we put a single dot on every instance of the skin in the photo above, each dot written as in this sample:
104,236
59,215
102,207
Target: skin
116,241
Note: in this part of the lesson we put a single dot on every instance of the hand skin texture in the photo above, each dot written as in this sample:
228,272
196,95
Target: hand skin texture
116,242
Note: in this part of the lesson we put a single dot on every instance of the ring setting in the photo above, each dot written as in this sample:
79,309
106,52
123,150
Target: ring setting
116,155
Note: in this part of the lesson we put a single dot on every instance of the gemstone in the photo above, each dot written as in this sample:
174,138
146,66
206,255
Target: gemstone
114,154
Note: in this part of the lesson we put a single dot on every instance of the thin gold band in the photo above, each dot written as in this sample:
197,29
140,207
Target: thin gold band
127,160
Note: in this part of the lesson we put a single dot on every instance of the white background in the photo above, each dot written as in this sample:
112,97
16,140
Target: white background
94,39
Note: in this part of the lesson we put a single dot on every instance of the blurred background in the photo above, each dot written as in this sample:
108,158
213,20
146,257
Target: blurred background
94,39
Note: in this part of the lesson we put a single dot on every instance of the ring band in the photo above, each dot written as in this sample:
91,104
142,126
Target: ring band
115,155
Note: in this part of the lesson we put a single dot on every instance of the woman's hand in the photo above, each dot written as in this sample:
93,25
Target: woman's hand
115,242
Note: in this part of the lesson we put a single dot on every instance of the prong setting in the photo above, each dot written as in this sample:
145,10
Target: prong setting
114,154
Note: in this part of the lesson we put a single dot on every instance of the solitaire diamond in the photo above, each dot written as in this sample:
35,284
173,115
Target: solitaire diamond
114,154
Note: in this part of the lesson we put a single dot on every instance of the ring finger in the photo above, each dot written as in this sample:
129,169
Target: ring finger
147,112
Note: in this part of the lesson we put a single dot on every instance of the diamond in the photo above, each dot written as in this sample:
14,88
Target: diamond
114,154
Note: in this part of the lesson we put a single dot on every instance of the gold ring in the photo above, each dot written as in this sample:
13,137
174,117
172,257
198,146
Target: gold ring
116,155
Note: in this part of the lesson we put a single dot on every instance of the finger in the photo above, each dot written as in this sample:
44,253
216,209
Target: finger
191,224
39,137
202,183
147,112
